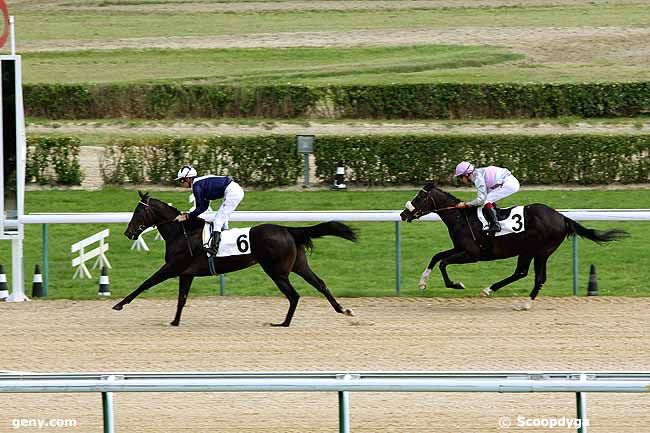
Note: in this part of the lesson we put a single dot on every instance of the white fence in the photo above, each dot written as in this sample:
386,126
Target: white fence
361,215
341,382
99,252
305,216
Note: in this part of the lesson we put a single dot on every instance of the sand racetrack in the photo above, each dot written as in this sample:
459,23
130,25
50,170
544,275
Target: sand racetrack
229,334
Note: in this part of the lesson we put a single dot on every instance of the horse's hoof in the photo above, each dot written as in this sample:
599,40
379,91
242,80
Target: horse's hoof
523,306
422,286
279,325
485,293
118,307
174,323
458,286
348,312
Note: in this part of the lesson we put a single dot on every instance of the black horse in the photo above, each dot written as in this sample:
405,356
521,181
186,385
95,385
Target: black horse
545,229
279,250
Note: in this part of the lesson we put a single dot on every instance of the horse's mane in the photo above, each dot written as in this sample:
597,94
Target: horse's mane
429,186
196,222
167,205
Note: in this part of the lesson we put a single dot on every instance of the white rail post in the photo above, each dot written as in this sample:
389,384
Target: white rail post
344,405
344,412
107,406
107,409
581,403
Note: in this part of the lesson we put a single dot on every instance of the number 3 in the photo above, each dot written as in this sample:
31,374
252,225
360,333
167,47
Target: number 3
519,225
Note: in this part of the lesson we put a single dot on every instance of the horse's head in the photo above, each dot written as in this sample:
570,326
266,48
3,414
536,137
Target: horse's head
429,199
148,213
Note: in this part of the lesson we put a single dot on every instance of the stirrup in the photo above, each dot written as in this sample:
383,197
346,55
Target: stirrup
494,228
212,247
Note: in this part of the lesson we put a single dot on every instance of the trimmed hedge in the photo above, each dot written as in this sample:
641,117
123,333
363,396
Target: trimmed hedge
53,160
159,101
501,100
272,160
408,101
254,161
535,160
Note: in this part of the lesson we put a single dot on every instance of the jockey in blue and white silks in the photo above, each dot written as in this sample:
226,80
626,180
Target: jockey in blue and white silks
208,188
492,184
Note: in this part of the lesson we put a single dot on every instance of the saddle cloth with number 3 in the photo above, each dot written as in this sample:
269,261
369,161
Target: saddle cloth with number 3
512,224
234,242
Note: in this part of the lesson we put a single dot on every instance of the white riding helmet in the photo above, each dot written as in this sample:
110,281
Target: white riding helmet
186,171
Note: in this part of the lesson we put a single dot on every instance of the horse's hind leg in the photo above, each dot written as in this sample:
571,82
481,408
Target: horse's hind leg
285,287
540,279
184,284
523,263
301,267
454,259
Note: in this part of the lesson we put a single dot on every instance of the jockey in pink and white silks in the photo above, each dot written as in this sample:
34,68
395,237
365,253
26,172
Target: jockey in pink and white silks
205,189
492,184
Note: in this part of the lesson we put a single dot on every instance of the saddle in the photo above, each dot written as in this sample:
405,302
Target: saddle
510,219
502,213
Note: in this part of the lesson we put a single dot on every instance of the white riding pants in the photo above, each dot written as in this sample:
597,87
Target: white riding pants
510,186
232,196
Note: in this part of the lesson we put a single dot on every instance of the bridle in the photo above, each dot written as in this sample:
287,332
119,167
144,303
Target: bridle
148,210
429,197
417,213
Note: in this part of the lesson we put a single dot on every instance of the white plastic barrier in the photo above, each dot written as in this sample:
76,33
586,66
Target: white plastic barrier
99,252
341,382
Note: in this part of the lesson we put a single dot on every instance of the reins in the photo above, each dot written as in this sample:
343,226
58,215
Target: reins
435,205
187,238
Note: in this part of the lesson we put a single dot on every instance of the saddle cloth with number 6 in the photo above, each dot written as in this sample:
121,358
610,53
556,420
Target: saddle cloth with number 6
234,242
511,220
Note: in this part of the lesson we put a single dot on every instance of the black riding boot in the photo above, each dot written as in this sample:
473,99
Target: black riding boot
493,223
213,248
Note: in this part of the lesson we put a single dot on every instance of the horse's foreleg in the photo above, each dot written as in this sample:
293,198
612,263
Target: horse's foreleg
184,284
161,275
437,257
454,259
523,263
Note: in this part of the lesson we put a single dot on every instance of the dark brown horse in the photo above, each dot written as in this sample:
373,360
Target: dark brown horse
545,229
279,250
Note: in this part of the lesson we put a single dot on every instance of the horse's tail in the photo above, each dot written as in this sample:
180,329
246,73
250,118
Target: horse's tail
304,235
574,228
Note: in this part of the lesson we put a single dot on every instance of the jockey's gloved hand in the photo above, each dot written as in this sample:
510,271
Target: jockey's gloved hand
182,217
462,205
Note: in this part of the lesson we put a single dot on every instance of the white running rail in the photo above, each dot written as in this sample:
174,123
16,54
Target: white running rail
340,382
